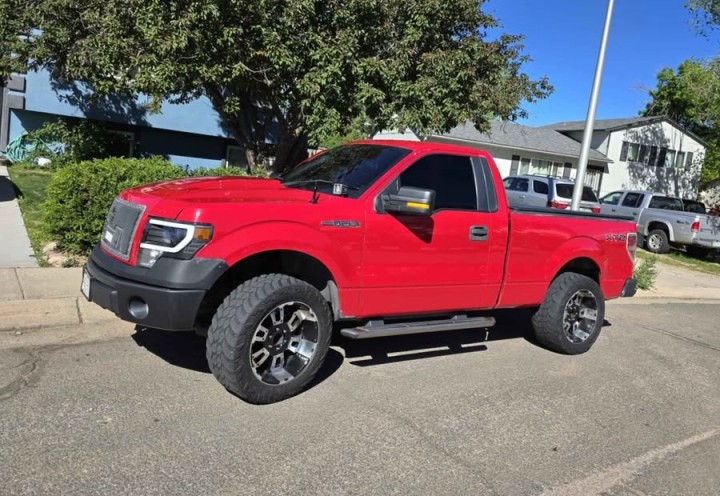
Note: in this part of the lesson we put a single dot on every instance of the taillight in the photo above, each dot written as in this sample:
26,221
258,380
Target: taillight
695,226
554,204
595,210
632,245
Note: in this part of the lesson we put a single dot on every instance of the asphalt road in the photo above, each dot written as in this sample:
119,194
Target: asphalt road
443,414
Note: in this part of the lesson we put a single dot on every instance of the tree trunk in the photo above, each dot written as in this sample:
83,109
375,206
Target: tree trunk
290,149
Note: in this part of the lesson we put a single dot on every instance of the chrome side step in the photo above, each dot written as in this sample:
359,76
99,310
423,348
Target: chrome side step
378,328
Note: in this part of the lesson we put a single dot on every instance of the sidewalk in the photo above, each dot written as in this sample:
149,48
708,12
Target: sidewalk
35,297
15,248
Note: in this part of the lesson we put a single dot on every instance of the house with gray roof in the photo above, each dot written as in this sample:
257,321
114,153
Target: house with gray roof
652,153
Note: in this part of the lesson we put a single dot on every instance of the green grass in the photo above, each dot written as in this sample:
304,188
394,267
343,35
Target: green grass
680,259
31,184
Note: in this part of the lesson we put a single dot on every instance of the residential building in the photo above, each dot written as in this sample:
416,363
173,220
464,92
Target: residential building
190,135
652,153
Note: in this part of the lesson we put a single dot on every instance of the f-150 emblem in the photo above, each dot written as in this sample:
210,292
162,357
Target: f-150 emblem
343,224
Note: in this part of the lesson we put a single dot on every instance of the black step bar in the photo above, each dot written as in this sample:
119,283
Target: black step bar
379,329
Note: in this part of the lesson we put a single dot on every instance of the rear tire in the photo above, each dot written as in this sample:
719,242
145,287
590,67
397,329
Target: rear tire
657,241
571,316
268,338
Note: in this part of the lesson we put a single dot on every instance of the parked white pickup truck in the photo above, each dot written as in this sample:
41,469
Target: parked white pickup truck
662,221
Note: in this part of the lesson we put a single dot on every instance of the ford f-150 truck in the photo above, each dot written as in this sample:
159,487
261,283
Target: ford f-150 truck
381,237
663,221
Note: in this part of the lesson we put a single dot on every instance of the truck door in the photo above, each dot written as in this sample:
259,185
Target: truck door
450,260
630,205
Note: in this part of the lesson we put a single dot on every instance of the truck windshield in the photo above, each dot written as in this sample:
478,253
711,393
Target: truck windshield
355,167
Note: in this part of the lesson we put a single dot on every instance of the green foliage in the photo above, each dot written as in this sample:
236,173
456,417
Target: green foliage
15,23
646,272
31,184
691,96
309,69
227,171
706,14
80,195
65,143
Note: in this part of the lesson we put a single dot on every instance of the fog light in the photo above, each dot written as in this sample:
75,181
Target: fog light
138,308
148,256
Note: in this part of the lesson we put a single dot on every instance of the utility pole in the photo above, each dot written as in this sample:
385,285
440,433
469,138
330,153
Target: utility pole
592,108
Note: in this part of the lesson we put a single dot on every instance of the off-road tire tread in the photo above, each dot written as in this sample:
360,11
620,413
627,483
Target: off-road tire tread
232,328
547,321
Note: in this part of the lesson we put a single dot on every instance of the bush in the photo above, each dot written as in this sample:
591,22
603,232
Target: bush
80,194
646,272
227,171
65,142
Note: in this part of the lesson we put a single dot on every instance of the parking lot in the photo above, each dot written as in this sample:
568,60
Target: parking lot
453,413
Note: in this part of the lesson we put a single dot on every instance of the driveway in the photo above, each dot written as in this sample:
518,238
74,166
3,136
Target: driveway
442,414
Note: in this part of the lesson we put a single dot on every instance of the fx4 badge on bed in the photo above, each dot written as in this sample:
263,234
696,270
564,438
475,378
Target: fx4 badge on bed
615,237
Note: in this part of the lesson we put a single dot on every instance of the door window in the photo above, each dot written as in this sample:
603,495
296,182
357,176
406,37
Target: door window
612,198
450,176
516,184
540,187
632,200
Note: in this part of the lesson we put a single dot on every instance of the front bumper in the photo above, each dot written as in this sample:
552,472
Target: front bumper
166,296
629,288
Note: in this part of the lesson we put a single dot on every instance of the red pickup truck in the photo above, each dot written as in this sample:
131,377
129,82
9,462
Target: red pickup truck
384,238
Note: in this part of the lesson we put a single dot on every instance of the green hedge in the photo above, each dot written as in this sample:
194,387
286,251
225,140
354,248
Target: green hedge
80,194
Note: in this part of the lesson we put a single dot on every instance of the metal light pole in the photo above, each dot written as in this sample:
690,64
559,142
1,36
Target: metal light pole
592,108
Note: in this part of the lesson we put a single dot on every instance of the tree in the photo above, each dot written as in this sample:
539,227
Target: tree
691,97
706,14
294,70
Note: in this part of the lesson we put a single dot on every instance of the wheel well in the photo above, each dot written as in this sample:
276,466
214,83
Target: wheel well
288,262
658,225
584,266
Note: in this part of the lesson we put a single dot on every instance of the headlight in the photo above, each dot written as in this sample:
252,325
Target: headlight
171,239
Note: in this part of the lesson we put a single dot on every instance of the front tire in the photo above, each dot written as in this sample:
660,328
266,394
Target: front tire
571,316
268,338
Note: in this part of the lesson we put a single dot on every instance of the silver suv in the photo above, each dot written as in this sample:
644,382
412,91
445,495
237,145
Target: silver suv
541,191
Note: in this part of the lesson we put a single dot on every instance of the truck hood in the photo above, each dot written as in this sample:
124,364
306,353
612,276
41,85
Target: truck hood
168,198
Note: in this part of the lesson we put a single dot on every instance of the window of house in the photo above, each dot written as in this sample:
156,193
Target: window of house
450,176
612,198
516,184
120,143
652,157
632,200
540,187
689,160
670,158
633,152
661,157
235,156
524,165
680,160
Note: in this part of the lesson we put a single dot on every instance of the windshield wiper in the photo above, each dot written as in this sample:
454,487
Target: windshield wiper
314,199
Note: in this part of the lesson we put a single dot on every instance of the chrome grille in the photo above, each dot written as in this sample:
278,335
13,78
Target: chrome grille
120,227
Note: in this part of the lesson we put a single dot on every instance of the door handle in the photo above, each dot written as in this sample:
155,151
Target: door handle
478,233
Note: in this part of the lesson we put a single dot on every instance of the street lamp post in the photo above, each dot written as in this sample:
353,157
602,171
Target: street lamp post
592,108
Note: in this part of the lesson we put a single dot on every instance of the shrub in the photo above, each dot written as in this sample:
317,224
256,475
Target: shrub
646,272
65,142
80,194
227,171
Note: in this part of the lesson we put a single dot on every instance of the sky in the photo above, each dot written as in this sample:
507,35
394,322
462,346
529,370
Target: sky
563,38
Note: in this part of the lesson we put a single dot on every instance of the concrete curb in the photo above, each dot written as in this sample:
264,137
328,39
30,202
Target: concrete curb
48,297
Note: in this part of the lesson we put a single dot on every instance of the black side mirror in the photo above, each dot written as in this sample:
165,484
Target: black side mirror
410,201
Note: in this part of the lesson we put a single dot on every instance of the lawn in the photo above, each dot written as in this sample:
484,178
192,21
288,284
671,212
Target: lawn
681,259
31,184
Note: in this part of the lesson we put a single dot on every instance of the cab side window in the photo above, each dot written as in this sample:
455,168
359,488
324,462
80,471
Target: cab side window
540,187
612,198
516,184
450,176
632,200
